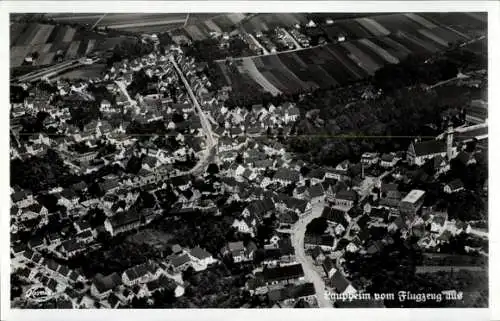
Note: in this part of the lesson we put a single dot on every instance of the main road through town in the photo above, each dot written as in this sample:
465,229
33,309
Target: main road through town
207,127
310,274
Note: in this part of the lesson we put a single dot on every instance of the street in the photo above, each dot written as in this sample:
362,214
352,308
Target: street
207,128
310,274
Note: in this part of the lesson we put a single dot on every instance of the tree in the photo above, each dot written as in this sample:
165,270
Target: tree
213,169
317,226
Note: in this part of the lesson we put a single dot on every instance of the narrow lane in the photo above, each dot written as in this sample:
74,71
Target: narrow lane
310,273
207,128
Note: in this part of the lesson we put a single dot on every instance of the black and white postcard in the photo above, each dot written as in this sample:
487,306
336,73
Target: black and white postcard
248,158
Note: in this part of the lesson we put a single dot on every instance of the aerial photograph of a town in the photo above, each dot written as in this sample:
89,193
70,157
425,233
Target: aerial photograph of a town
248,160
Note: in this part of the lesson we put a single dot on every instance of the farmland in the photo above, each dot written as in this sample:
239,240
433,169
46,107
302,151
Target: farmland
130,22
371,42
199,27
54,43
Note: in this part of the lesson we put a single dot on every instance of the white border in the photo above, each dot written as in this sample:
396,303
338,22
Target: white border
492,7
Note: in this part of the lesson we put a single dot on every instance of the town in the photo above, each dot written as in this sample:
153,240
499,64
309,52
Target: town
143,188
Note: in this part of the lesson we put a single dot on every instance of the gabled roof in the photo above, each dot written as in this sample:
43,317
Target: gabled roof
200,253
455,184
349,195
429,147
283,272
339,282
105,283
180,260
316,190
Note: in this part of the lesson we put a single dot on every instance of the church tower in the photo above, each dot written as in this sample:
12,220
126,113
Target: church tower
449,141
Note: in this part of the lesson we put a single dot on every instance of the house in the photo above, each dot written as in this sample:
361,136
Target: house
283,274
341,284
369,159
238,252
122,222
454,186
329,267
345,198
103,285
293,293
317,255
326,241
388,160
419,152
71,247
201,256
180,263
22,199
286,176
68,198
139,274
412,202
317,193
335,215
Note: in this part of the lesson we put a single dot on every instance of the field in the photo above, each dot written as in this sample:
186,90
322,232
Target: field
53,42
199,26
84,72
371,42
131,22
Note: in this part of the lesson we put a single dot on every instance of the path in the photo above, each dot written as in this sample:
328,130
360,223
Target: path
310,274
205,124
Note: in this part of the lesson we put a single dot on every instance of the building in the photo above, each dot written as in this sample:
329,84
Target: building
369,159
103,285
412,202
293,293
388,160
283,274
122,222
454,186
238,251
345,198
419,152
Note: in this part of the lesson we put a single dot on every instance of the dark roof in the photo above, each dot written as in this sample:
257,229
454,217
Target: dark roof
105,283
455,184
328,265
68,194
286,272
180,260
200,253
334,215
287,174
124,219
292,292
17,196
347,195
339,282
316,190
429,147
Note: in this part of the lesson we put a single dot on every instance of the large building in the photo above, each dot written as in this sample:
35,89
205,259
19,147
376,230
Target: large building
412,202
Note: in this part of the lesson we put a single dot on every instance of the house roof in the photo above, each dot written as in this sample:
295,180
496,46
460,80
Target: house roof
339,282
200,253
124,219
180,260
334,215
287,174
105,283
316,190
236,246
455,184
283,272
429,147
349,195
